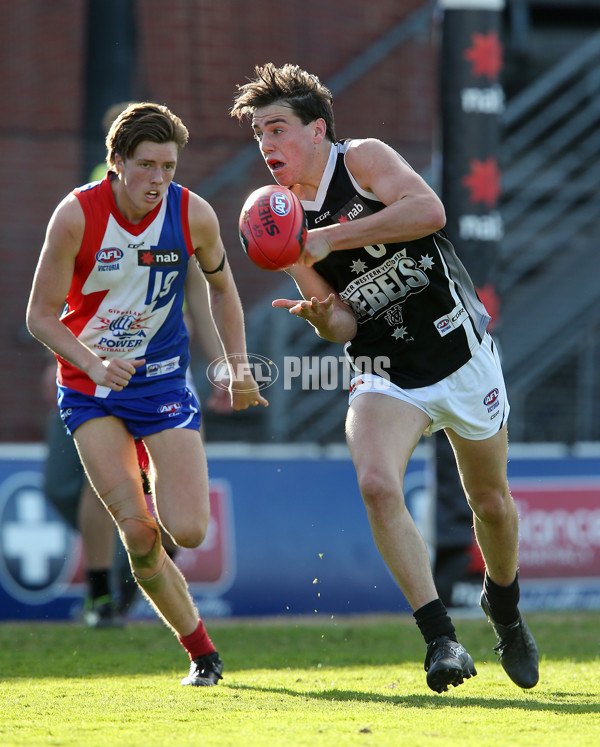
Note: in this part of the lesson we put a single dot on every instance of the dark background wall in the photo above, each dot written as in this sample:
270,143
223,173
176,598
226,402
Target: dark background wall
188,54
63,62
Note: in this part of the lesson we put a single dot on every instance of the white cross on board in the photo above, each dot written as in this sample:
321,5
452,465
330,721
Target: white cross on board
33,539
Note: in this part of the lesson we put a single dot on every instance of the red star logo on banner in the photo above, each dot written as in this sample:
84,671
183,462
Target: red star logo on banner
147,258
484,181
485,55
343,219
489,298
476,561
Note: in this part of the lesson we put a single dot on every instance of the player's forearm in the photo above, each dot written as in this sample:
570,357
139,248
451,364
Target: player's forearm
405,220
341,328
52,333
228,317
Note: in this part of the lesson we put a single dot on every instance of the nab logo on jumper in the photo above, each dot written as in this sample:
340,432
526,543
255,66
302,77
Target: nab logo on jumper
158,258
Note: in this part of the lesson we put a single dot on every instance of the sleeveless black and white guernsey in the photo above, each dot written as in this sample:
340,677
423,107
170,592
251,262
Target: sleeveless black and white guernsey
414,302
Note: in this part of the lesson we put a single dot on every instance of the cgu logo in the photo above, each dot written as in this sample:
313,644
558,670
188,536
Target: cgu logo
319,218
490,398
111,254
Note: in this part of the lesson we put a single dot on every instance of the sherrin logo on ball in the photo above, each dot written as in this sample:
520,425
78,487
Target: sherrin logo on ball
273,227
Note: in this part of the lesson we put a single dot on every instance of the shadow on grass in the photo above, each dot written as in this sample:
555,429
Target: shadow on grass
558,702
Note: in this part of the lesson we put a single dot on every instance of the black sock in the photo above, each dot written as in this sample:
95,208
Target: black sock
433,621
503,600
99,583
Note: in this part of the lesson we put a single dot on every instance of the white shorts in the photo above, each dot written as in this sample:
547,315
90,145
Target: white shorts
472,401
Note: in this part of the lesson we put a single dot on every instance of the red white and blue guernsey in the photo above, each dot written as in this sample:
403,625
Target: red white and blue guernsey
126,296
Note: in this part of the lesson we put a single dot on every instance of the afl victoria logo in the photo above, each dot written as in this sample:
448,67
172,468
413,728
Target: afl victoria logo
111,254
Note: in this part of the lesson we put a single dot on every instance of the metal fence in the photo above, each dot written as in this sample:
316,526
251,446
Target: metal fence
548,266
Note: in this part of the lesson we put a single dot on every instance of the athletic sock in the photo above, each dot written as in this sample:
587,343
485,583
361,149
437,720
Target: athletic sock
99,583
197,643
503,600
433,621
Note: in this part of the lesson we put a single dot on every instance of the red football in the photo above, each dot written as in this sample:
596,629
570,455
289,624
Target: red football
273,227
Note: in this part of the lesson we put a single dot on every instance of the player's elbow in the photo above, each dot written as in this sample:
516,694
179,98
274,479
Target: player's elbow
435,216
38,321
32,322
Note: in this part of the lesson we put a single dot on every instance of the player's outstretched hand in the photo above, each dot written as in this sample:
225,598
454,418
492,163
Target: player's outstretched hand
318,313
114,373
245,394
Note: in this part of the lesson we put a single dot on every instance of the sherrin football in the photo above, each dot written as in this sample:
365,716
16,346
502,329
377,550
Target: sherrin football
273,227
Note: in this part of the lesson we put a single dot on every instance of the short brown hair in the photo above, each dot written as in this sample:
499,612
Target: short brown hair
143,121
308,98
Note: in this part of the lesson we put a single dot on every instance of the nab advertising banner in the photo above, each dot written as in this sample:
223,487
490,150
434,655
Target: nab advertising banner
289,535
471,104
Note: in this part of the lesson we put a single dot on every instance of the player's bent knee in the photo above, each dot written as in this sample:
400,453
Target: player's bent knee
147,566
378,489
139,536
190,536
187,531
490,506
137,527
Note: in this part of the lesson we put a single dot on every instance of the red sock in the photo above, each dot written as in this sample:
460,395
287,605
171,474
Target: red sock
197,643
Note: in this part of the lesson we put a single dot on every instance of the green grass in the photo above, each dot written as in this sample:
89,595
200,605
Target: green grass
320,681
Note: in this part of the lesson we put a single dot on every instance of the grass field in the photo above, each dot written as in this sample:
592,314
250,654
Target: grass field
320,681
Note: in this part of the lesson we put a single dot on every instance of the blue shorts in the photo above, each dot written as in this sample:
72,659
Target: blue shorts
142,416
